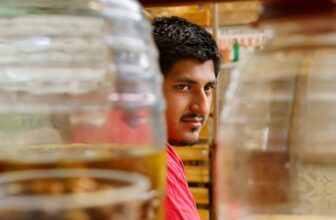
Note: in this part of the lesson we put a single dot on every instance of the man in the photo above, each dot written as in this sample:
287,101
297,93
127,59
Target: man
190,62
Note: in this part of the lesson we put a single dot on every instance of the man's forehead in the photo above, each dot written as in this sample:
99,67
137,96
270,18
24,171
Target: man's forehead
185,70
194,78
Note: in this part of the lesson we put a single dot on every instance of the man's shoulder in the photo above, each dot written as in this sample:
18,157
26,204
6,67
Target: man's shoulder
173,158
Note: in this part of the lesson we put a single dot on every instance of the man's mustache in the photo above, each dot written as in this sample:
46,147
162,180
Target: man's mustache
193,116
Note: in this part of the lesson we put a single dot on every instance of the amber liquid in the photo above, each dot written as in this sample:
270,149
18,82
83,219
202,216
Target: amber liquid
143,160
259,179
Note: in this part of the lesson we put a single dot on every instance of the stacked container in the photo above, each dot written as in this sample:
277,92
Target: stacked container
278,147
80,87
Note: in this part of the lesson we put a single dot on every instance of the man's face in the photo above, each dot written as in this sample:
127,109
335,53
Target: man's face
188,92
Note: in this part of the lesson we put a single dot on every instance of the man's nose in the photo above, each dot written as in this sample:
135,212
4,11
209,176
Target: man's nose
200,103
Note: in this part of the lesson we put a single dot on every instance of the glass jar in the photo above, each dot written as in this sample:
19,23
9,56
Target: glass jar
277,133
80,86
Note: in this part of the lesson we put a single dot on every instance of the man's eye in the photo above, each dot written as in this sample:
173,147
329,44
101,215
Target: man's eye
209,88
182,87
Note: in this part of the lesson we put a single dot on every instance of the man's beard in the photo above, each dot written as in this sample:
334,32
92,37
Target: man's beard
182,143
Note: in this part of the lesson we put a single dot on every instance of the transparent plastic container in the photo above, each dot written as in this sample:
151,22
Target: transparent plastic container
277,133
80,86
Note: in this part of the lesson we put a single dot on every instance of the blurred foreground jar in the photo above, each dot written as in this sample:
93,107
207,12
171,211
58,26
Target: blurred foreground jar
80,87
278,130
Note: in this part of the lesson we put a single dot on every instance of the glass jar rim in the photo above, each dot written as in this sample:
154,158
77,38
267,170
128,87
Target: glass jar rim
136,186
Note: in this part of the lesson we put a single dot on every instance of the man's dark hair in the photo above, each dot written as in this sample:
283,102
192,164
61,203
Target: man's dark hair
177,39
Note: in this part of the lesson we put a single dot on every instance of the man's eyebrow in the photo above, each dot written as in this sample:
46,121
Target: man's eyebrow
212,83
185,80
191,81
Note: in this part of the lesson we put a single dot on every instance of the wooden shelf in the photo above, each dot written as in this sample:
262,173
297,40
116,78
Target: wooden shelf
201,13
156,3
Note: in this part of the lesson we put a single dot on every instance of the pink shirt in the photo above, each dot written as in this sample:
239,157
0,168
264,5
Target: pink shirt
179,203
